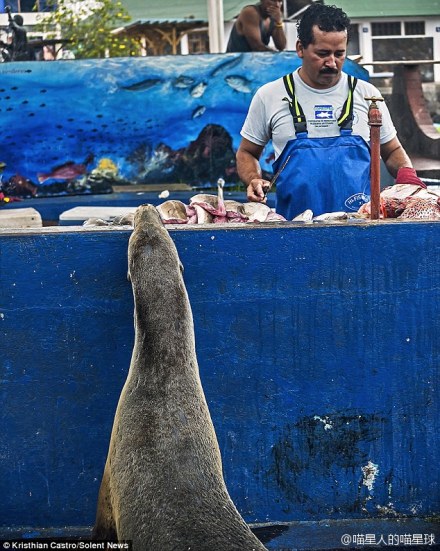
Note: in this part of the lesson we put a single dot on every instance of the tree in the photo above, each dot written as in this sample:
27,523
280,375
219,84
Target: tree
89,25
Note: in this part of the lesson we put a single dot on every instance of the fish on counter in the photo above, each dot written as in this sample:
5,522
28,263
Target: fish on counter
306,216
122,220
421,209
173,212
407,202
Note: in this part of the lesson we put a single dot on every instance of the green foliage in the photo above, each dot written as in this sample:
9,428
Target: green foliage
88,24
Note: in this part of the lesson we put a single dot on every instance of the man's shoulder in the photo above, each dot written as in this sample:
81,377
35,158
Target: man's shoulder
365,89
270,87
365,85
251,10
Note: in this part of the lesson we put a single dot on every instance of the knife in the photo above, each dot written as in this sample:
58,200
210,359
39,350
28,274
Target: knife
275,177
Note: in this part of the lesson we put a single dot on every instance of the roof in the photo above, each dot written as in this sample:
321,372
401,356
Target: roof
169,21
389,8
172,11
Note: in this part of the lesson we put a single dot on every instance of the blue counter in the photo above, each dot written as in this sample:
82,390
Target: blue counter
318,348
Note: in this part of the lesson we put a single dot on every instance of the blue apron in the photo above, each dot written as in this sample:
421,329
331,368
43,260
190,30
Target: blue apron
322,174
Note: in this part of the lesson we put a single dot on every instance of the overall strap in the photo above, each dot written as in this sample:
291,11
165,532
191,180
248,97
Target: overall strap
345,121
299,119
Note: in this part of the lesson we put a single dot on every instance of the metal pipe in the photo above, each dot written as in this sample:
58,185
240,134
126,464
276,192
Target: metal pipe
375,122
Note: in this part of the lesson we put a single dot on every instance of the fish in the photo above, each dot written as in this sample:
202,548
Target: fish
198,90
209,202
406,201
66,171
256,212
183,82
323,115
123,219
205,208
331,216
226,65
421,209
198,112
305,216
238,83
95,222
173,212
141,85
202,215
273,216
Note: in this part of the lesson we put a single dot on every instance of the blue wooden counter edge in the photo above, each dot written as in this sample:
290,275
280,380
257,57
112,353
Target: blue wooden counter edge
301,535
318,349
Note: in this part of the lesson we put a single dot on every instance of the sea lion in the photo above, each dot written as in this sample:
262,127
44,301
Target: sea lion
163,486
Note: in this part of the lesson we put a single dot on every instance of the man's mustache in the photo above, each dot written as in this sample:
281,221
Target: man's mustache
328,71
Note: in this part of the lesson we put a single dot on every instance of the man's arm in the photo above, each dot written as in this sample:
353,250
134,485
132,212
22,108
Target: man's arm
249,170
394,156
248,24
399,164
278,36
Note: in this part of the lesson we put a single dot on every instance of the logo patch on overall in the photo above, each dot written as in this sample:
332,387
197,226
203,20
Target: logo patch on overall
354,202
323,112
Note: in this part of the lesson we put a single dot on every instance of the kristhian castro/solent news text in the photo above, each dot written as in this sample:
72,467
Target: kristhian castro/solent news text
66,544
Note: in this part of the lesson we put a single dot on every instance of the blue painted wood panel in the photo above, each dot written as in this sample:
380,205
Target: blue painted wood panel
318,349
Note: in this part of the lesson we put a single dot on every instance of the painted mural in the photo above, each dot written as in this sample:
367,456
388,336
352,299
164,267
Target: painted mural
82,126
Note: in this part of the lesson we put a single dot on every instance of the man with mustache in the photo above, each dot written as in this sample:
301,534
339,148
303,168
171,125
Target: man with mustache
317,119
256,25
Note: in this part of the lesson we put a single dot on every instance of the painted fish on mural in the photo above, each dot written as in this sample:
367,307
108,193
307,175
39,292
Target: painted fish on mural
198,112
198,90
66,171
239,83
183,81
142,85
227,65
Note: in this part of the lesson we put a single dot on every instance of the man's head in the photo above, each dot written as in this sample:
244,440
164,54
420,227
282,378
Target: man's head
326,18
322,44
18,20
267,6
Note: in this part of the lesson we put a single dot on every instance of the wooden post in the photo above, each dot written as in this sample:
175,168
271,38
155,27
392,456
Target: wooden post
375,122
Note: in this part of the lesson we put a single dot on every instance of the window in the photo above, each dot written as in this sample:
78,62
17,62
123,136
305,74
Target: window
386,28
198,43
414,27
27,6
396,49
353,40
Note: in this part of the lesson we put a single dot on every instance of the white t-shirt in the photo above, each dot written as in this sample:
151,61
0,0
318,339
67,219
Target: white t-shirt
269,117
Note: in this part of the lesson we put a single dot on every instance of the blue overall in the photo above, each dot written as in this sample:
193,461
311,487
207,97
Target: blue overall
322,174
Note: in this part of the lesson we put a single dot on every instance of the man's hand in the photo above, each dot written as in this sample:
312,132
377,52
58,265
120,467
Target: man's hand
257,190
8,9
407,175
275,13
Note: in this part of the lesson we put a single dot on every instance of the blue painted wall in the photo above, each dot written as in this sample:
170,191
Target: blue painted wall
318,349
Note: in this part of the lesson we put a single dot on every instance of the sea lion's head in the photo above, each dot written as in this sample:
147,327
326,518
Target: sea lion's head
152,255
155,272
